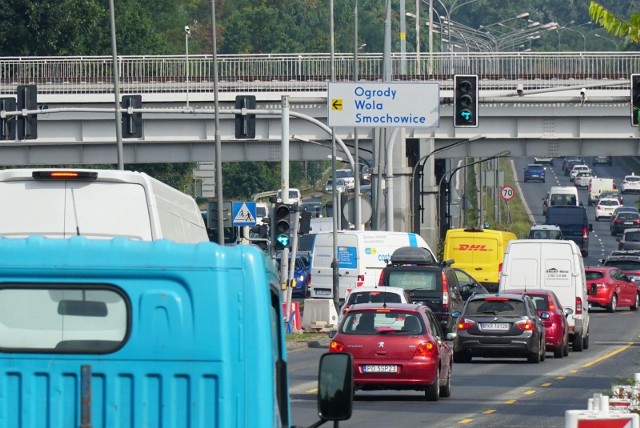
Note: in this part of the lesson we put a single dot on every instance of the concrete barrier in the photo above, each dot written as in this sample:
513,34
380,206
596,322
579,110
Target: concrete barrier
319,314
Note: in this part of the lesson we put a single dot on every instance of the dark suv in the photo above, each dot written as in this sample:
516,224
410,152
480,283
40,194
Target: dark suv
427,282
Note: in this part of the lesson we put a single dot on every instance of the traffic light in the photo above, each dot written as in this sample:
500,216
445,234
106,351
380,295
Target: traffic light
8,124
281,230
635,99
131,122
245,123
465,101
27,100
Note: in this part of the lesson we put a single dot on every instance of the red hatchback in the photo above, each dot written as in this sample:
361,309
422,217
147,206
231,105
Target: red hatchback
556,328
396,346
609,287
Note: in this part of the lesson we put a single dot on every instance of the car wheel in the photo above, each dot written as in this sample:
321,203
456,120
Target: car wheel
577,345
461,357
432,393
636,303
445,390
611,307
565,349
559,351
613,233
543,352
597,218
585,341
534,357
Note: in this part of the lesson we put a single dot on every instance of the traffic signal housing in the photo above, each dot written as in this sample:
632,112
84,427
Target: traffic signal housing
27,100
635,99
282,227
465,101
131,122
245,123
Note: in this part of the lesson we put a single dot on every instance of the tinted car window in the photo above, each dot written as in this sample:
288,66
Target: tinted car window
414,279
593,275
388,322
632,236
608,203
540,302
373,297
623,264
495,307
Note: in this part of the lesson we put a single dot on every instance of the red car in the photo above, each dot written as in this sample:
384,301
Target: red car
396,346
609,287
556,327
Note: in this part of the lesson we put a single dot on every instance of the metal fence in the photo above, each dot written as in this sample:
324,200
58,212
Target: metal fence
310,72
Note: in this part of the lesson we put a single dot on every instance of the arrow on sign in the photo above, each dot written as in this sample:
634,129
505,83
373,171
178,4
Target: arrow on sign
336,104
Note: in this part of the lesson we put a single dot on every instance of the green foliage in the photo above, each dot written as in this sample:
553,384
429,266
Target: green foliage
615,25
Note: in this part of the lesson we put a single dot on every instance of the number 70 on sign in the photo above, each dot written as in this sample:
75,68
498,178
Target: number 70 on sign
507,193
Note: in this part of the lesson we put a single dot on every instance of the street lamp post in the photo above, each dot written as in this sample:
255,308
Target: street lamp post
606,38
187,33
502,154
584,39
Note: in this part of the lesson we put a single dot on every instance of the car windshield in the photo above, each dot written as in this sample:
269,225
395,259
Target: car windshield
387,322
592,275
373,297
624,264
632,236
414,279
496,307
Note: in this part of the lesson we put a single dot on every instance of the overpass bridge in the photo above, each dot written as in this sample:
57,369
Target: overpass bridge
558,103
531,103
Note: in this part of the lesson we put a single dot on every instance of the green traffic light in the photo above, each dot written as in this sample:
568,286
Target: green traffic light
283,240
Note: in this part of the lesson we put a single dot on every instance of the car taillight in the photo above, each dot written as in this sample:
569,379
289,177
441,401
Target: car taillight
345,309
585,233
637,221
425,349
445,292
381,280
336,347
525,325
598,207
466,324
578,306
499,268
618,221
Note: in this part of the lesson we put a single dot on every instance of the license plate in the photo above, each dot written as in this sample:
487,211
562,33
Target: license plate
494,326
380,369
323,292
628,222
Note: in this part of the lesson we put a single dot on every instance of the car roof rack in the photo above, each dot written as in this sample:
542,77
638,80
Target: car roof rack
412,256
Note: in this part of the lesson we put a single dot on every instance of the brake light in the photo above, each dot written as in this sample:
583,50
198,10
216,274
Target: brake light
466,324
637,221
617,221
64,175
499,268
496,299
578,306
598,207
585,233
425,349
381,280
345,309
552,307
525,325
336,346
445,292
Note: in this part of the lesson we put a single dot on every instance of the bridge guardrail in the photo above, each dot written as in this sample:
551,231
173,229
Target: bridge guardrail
310,72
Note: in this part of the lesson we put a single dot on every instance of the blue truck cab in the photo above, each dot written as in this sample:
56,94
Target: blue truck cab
126,333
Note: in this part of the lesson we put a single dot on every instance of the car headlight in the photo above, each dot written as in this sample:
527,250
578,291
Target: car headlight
300,278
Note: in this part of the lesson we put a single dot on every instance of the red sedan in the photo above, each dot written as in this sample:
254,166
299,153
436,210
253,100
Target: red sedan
396,346
556,328
609,287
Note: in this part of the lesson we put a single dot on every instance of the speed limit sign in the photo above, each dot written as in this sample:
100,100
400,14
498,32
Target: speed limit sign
507,193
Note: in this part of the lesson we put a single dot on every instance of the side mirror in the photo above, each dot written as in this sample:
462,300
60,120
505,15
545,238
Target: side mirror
545,315
451,335
332,334
335,387
456,314
567,311
617,239
590,226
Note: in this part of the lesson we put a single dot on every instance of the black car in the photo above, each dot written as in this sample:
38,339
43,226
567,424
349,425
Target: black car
468,284
599,160
627,260
569,166
427,282
577,160
622,221
500,325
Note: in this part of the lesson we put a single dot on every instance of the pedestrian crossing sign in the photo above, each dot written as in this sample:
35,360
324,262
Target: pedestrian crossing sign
244,213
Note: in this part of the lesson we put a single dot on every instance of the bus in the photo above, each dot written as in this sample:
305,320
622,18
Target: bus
127,333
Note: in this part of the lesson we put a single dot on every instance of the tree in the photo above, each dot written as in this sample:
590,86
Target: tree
614,25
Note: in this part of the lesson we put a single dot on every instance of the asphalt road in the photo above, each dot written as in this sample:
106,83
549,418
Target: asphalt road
508,392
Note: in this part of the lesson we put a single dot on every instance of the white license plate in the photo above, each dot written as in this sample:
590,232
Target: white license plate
380,369
628,222
323,292
494,326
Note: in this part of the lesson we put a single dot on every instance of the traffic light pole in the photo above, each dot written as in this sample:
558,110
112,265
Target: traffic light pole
292,266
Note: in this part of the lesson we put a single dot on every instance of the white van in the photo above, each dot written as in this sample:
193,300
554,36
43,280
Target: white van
362,254
597,186
96,203
563,195
555,265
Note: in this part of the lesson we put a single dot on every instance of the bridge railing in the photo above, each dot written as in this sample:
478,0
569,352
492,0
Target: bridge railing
309,71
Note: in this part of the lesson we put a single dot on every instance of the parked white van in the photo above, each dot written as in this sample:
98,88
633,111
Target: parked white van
362,254
96,203
555,265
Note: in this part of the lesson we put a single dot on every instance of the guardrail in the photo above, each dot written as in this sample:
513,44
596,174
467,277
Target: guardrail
310,72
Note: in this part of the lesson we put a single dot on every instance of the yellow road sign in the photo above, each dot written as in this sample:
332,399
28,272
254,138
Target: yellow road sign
336,104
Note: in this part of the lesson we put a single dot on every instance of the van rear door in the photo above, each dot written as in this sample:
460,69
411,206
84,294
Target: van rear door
479,256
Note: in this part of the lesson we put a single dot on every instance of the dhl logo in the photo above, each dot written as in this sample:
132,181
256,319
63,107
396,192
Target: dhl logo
469,247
